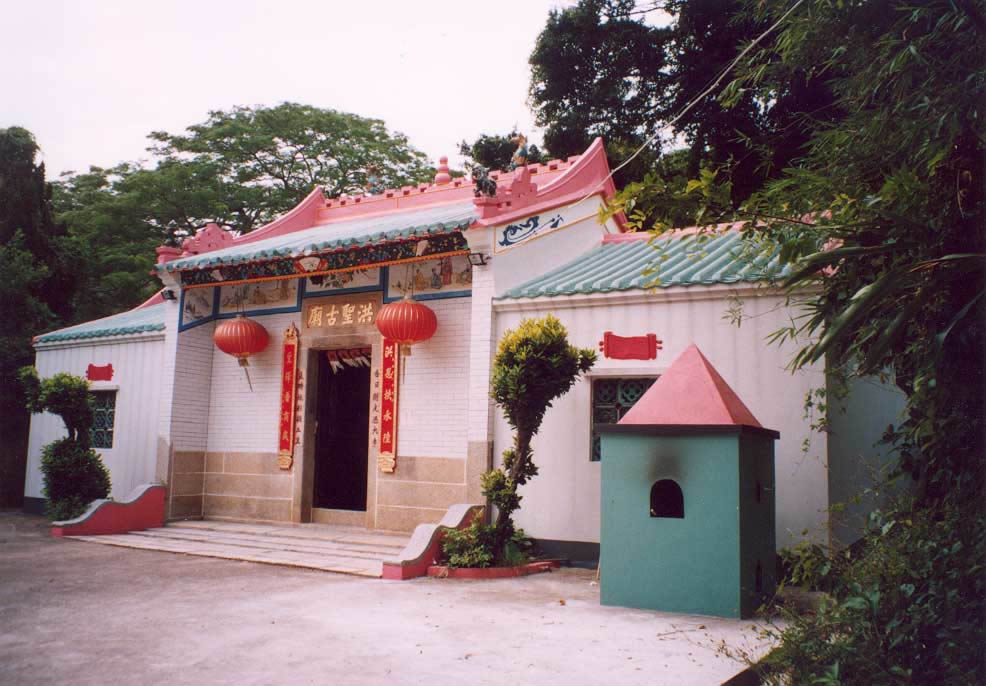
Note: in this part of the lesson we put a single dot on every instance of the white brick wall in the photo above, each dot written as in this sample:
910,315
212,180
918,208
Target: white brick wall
481,350
192,381
434,393
240,419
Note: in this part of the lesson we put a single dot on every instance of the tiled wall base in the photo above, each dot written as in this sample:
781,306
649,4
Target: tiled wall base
185,485
246,486
420,491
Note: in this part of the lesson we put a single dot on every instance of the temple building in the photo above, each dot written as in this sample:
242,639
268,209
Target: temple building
257,384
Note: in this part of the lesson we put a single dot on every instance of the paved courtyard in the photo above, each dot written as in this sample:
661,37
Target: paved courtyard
75,612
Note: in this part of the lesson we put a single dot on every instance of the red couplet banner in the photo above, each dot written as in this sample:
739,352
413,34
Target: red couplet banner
289,378
388,406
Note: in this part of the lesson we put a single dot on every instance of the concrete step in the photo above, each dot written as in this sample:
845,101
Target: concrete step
298,545
344,550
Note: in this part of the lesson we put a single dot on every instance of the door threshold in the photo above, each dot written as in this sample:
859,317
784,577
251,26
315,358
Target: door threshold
323,515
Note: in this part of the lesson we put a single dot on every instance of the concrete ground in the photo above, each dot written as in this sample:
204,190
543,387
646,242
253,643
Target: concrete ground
75,612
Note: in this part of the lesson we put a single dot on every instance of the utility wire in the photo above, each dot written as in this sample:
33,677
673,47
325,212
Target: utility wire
715,84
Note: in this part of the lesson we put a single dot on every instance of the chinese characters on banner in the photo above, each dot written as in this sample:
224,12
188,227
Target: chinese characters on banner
335,313
289,375
385,383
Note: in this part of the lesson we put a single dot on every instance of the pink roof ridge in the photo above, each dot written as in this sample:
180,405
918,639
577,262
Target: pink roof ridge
691,392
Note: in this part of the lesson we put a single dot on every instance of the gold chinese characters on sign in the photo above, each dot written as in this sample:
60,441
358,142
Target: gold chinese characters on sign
352,313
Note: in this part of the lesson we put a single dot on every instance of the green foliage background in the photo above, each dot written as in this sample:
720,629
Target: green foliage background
871,184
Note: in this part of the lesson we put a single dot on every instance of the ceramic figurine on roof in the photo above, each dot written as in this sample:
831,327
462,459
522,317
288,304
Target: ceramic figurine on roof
519,158
484,184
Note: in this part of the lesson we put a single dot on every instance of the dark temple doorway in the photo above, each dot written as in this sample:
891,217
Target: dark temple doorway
342,432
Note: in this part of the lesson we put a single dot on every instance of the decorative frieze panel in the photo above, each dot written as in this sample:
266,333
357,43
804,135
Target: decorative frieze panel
446,277
361,257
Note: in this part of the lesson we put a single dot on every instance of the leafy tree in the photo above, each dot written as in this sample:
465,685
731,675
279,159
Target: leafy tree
239,169
74,474
597,71
882,215
109,220
600,69
534,364
38,262
252,163
496,152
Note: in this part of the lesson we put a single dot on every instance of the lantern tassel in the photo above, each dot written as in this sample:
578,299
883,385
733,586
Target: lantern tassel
246,370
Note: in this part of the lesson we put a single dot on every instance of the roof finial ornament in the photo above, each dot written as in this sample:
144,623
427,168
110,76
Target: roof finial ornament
519,158
442,177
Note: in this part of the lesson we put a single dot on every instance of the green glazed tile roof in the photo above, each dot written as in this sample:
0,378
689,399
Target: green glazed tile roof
682,261
337,236
141,320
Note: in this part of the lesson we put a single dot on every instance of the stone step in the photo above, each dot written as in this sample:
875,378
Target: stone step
298,545
344,550
314,531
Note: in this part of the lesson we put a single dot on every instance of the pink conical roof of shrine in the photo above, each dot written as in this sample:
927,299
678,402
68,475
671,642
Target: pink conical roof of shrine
690,392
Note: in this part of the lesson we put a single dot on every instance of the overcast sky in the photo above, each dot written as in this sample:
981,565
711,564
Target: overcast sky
92,78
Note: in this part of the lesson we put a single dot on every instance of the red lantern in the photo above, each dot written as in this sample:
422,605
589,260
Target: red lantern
406,322
241,337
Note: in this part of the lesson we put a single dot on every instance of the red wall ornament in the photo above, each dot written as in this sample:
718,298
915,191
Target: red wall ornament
406,322
289,385
630,347
100,373
241,337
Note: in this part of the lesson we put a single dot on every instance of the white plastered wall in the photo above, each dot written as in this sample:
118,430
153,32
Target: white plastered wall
563,501
432,401
542,253
433,406
242,419
137,375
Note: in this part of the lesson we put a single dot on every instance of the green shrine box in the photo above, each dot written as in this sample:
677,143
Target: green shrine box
688,499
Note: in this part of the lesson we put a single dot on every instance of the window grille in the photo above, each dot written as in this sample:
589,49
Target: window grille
611,399
104,418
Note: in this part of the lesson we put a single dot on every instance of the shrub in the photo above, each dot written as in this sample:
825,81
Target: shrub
909,608
534,364
469,547
74,474
473,547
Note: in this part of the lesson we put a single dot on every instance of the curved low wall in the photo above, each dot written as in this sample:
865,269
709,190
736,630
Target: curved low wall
423,549
142,509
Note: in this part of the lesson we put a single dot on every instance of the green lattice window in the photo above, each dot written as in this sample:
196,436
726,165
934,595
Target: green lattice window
104,416
611,398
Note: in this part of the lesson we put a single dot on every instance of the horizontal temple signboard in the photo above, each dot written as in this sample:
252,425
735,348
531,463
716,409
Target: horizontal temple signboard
340,314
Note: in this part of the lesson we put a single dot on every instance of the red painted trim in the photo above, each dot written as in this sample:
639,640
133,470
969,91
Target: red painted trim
144,510
153,300
100,373
630,347
588,176
442,572
626,237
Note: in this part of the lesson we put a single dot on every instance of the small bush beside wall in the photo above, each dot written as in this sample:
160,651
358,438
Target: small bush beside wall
74,474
